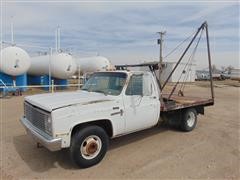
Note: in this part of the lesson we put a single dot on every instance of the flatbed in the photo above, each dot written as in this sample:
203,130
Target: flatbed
182,102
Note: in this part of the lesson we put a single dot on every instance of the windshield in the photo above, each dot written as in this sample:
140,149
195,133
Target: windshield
109,83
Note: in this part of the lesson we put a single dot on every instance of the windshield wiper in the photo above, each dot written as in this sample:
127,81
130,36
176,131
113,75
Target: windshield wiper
85,90
99,91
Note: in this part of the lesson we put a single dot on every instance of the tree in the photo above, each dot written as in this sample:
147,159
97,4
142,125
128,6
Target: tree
229,69
214,68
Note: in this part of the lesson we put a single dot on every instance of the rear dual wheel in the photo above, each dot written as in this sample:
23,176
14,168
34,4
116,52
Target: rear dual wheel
189,120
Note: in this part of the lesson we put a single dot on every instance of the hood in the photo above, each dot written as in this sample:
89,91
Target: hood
51,101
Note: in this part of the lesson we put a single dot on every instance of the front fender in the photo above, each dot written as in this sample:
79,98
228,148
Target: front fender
65,119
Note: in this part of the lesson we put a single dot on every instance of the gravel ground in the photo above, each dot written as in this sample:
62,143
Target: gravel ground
210,151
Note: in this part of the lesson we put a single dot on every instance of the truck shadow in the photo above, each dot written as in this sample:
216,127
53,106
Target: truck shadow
41,160
137,136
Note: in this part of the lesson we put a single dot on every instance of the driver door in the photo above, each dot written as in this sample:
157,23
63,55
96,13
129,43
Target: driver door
140,103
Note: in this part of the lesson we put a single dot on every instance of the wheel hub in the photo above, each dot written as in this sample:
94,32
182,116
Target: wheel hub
191,119
90,147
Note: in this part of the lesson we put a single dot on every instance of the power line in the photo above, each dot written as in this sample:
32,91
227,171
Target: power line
179,45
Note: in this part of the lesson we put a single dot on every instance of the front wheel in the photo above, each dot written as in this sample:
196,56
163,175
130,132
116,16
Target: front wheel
89,145
189,120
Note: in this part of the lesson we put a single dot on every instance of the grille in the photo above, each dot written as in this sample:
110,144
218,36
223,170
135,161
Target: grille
36,116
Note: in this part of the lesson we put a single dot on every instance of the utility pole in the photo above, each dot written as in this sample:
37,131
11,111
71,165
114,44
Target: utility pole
160,42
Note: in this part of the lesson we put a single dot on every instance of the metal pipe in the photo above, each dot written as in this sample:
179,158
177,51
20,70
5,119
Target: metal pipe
12,40
56,41
52,86
49,69
59,43
209,60
158,83
201,27
79,77
39,86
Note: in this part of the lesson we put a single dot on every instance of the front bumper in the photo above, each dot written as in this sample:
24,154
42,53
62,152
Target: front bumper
44,139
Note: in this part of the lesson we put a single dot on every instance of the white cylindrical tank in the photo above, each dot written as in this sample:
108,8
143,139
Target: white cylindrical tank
14,61
92,64
62,65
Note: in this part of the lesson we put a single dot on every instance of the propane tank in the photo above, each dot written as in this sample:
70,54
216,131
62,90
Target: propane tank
62,65
14,61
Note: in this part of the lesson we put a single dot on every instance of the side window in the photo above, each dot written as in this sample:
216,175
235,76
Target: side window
135,85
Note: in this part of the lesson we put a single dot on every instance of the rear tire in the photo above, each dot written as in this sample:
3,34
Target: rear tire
89,145
189,120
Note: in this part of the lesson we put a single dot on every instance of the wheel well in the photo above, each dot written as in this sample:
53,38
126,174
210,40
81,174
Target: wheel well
200,109
105,124
175,117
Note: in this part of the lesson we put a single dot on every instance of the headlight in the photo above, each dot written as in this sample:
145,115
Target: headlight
48,125
24,109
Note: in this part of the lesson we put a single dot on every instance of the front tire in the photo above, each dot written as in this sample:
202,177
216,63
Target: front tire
189,120
89,145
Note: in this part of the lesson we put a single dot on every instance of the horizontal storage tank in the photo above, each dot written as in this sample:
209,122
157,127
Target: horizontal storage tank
188,72
92,64
15,61
235,74
62,65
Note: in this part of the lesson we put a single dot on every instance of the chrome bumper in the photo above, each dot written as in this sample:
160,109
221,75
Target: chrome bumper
37,135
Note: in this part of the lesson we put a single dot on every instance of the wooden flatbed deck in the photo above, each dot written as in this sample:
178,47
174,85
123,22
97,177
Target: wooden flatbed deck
180,102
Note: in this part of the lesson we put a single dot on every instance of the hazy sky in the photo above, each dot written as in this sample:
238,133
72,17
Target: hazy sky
124,32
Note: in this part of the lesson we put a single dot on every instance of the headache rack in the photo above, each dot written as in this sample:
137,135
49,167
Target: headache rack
171,102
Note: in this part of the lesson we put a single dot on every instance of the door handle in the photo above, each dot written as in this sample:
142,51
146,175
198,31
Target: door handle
153,97
119,112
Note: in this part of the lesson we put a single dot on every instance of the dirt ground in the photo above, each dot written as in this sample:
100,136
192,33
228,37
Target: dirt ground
212,150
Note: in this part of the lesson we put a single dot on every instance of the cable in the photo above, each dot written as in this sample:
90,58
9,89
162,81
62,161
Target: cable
190,58
179,45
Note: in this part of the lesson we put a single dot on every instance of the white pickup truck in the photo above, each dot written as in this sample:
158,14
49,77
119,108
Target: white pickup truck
109,105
